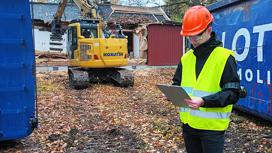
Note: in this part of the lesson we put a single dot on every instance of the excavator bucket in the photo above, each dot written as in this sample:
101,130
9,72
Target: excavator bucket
56,40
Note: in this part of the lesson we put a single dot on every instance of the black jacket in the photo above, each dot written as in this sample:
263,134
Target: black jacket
222,98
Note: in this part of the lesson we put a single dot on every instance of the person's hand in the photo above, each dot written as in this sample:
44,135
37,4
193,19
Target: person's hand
194,102
164,97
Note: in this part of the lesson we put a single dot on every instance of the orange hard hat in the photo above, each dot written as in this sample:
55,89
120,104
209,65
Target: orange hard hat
195,20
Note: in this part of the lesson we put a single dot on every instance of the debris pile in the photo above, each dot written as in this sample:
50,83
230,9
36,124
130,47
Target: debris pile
61,59
127,19
136,61
51,58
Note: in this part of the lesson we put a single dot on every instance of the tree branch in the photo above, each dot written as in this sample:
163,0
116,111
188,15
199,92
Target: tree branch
187,3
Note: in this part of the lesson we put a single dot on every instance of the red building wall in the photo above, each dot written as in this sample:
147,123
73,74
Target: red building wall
165,44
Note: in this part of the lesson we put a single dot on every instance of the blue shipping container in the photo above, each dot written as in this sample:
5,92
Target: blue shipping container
17,66
245,26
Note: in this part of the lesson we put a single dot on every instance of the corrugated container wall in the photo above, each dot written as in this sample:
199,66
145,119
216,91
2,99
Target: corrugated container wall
165,44
17,66
246,28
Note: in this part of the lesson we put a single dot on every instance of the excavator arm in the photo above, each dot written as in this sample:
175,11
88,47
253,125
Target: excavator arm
88,7
57,31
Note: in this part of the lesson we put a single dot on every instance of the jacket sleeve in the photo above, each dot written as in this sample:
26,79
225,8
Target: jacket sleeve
177,77
227,96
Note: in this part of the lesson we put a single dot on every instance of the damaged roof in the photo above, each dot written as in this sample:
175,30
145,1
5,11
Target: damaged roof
110,13
132,15
46,11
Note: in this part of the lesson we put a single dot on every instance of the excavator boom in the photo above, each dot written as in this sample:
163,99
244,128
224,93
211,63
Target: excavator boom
60,11
87,7
56,22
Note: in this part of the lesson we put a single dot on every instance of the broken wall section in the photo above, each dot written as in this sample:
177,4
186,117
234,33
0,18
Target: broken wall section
142,33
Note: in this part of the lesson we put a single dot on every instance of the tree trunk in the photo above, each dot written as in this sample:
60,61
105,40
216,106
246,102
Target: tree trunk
196,2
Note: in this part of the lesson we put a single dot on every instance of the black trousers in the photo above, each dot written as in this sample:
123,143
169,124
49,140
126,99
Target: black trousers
203,141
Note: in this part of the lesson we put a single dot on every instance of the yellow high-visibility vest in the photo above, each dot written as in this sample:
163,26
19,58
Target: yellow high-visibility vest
207,83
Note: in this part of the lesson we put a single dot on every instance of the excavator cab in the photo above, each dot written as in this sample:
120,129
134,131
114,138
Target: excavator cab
89,33
117,31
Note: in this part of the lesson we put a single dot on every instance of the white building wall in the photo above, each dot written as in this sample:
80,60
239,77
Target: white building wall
136,43
42,39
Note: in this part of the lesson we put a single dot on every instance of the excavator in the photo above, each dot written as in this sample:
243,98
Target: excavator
95,54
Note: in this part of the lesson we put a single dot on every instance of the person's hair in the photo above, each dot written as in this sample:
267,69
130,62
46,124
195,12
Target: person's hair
209,25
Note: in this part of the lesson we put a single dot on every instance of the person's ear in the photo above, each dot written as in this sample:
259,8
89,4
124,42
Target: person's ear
209,30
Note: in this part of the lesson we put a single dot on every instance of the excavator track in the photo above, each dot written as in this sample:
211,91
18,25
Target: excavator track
78,79
123,77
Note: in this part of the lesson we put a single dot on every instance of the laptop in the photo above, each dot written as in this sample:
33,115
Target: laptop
176,94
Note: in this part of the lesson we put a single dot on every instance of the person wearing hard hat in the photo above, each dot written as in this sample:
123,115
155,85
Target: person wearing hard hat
208,73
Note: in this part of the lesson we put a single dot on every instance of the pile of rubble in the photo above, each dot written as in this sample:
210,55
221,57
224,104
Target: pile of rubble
61,59
127,19
51,58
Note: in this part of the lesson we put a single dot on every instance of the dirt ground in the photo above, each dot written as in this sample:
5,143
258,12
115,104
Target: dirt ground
108,118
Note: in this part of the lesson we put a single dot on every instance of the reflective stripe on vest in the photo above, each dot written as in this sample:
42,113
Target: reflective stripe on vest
207,83
210,115
199,93
188,90
182,109
198,113
196,93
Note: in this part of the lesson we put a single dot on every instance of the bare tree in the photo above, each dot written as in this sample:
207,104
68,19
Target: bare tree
142,3
156,2
196,2
212,1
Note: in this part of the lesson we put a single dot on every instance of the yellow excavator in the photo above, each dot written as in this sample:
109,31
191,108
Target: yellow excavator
95,54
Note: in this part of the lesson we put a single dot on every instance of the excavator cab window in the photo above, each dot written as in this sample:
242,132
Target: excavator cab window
89,33
72,41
